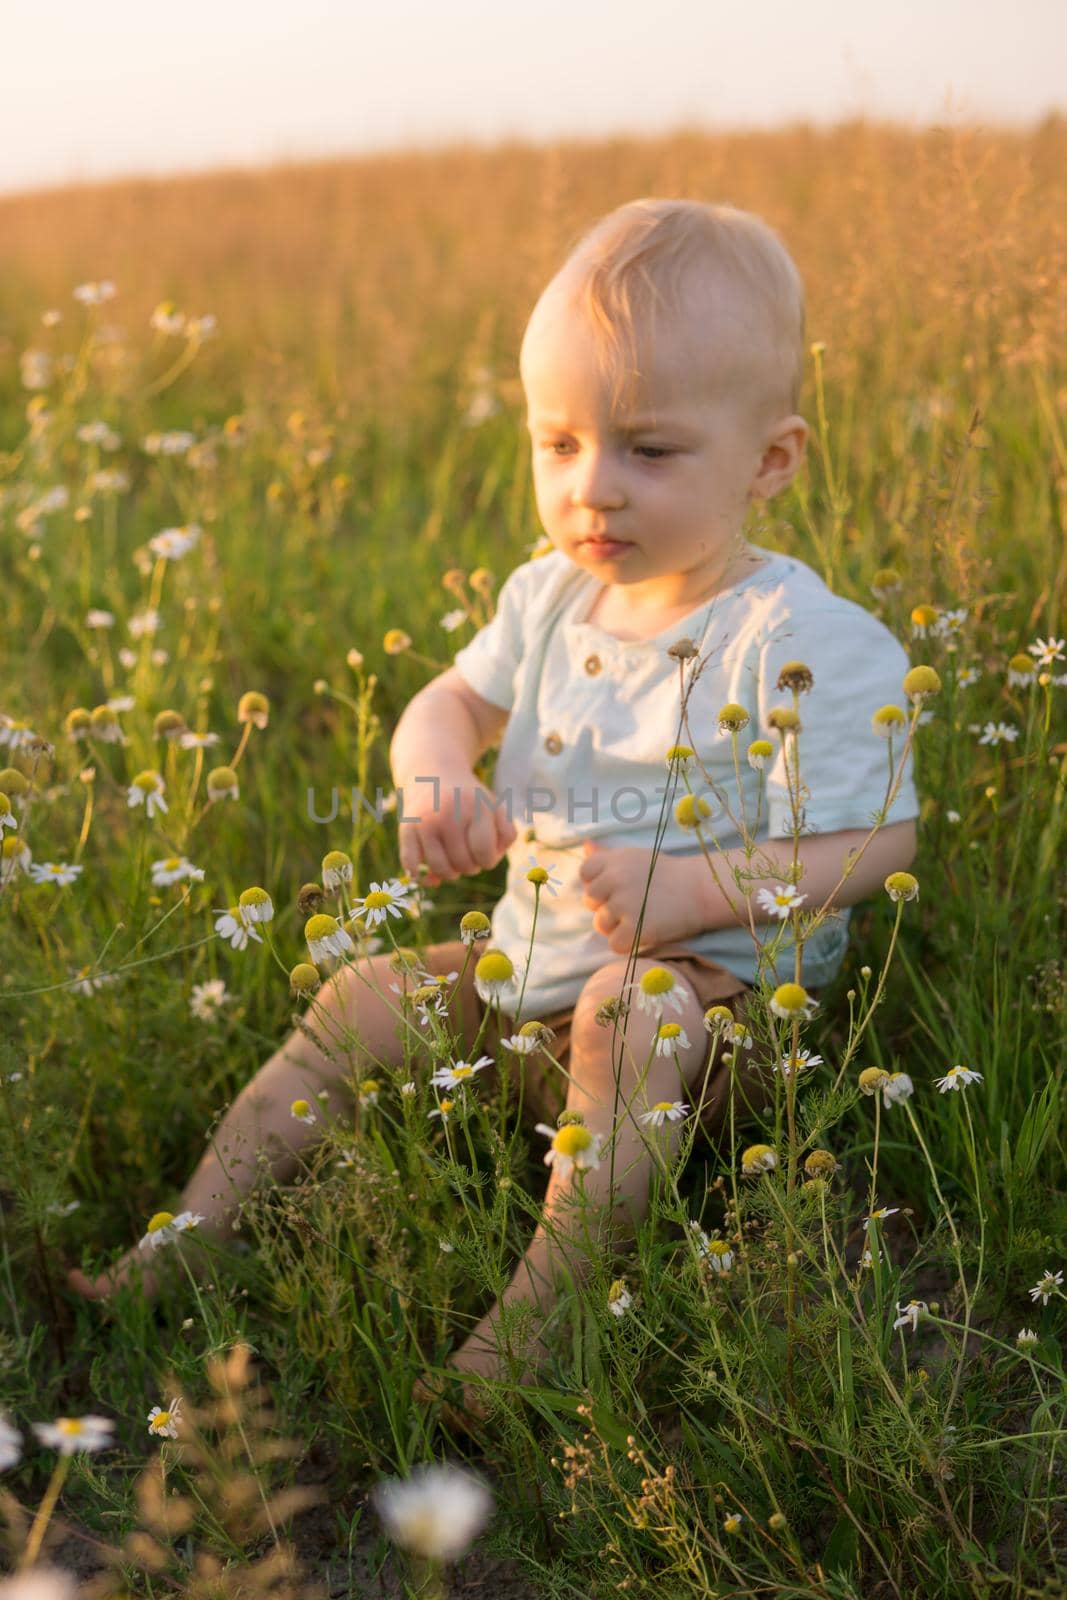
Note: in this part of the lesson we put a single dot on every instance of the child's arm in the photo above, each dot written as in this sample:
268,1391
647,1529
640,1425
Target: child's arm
684,898
456,828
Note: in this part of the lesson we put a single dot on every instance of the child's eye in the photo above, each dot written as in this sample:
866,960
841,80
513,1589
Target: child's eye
657,452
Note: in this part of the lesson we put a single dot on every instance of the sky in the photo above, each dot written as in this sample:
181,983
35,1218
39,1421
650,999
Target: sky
120,87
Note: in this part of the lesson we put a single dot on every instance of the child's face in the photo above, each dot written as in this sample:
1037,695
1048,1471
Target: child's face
675,489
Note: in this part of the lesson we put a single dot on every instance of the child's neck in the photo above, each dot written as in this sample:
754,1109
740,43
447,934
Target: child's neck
627,613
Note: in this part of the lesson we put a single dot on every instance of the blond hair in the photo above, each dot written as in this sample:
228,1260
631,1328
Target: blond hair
647,252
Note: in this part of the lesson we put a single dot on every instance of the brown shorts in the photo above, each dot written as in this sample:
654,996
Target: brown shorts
545,1087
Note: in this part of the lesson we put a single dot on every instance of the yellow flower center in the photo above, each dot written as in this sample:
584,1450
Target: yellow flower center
171,862
377,899
320,926
462,1072
161,1420
572,1139
669,1030
72,1426
790,997
162,1219
445,1107
663,1105
300,1108
537,875
657,980
494,967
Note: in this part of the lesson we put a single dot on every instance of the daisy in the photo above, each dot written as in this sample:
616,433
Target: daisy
544,876
664,1111
301,1111
436,1513
474,926
656,989
15,733
879,1215
719,1256
163,1423
1026,1337
898,1087
174,442
968,675
733,1522
143,622
459,1072
231,925
619,1298
798,1062
165,1227
10,1444
94,294
59,873
957,1078
256,904
453,620
909,1314
326,937
443,1109
756,1159
197,741
336,870
1046,651
173,543
531,1036
408,1087
173,869
99,619
385,900
68,1434
15,858
790,1000
121,702
7,820
999,733
147,790
1046,1286
495,978
759,753
572,1146
781,900
368,1092
207,999
670,1038
88,982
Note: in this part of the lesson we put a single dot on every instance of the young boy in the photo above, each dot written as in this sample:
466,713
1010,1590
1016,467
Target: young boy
661,368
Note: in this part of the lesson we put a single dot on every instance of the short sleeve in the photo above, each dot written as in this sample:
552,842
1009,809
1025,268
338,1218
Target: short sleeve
857,666
489,662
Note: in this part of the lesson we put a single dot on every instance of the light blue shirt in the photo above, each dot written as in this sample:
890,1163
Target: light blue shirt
583,755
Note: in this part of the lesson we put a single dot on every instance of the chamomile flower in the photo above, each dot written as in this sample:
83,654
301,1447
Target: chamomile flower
1026,1338
198,741
163,1421
326,937
619,1298
531,1036
164,1227
888,721
1046,1287
999,733
1022,671
58,872
732,1523
719,1256
385,900
1046,651
10,1444
680,756
781,900
957,1078
147,790
143,623
175,869
797,1061
256,904
664,1111
494,976
670,1038
207,999
7,818
657,989
222,784
923,620
543,877
436,1513
459,1072
473,926
756,1159
909,1315
879,1214
15,858
572,1146
70,1434
898,1086
173,543
87,982
790,1000
301,1111
443,1109
453,619
902,886
968,675
759,753
98,618
94,294
336,870
231,925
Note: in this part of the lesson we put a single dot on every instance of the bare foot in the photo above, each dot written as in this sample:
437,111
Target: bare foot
130,1268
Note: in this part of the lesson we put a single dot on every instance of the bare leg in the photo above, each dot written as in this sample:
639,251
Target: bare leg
357,1000
592,1091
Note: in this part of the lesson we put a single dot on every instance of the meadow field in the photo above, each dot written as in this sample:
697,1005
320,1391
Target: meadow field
263,468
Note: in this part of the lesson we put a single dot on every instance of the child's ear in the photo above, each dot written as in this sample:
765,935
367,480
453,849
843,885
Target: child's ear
783,457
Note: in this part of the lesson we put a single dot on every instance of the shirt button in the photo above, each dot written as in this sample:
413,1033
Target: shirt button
553,744
592,665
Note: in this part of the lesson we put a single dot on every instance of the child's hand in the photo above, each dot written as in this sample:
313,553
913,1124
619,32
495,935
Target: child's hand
460,835
615,880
